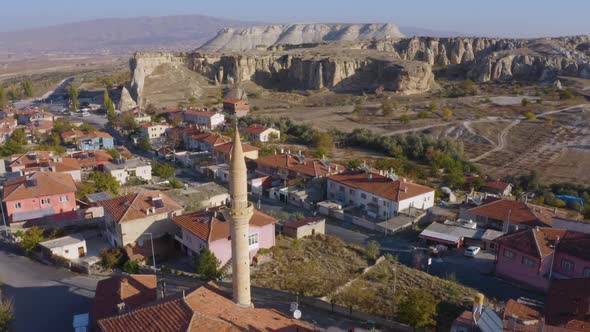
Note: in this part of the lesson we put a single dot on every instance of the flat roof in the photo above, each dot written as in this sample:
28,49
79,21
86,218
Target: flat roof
63,241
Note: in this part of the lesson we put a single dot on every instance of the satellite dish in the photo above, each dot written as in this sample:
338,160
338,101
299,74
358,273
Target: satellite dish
297,314
294,306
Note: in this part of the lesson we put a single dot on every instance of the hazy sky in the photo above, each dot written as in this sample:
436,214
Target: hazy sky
479,17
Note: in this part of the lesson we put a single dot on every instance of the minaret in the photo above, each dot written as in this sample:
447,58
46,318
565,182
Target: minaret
239,217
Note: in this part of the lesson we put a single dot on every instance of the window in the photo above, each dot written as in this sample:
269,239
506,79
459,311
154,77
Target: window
567,265
528,262
509,254
63,198
332,185
341,188
253,239
586,272
374,199
45,201
17,205
363,196
350,191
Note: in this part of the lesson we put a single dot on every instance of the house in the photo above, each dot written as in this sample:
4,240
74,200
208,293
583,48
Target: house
128,218
534,256
91,160
119,294
96,141
222,152
460,233
205,141
154,130
70,247
209,229
5,134
380,196
236,107
497,187
287,166
33,115
38,195
206,119
256,132
32,129
125,169
46,161
206,308
308,226
568,304
71,136
139,116
508,215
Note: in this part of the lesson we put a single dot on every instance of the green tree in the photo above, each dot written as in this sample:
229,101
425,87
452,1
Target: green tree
423,114
19,136
358,109
322,140
74,94
432,107
354,164
14,95
28,88
109,106
3,97
386,108
7,317
530,116
131,266
548,121
163,170
31,238
525,102
372,250
105,182
404,119
111,258
145,144
114,153
175,183
151,109
88,128
208,265
418,309
447,113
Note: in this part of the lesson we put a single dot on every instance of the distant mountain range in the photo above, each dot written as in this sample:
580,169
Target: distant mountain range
126,35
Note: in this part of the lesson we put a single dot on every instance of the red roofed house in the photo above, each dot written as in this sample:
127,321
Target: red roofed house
508,215
288,166
222,152
568,304
71,136
237,107
129,217
536,255
39,195
119,294
380,196
35,161
256,132
208,229
205,141
497,188
207,308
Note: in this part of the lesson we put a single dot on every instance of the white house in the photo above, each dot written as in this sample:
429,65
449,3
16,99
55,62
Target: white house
380,196
124,169
256,132
153,130
208,119
70,247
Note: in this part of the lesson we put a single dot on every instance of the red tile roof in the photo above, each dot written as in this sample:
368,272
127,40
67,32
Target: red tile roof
66,165
211,225
101,134
205,309
40,184
306,166
498,185
568,304
227,148
516,212
213,139
30,159
206,114
395,190
134,290
520,311
302,222
92,158
575,244
255,129
135,206
72,134
537,242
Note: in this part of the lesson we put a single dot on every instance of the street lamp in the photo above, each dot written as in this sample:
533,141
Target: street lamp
153,254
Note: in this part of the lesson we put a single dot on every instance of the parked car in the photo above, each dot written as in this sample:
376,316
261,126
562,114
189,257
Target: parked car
471,251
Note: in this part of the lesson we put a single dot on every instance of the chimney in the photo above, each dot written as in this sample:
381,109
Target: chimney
554,210
121,307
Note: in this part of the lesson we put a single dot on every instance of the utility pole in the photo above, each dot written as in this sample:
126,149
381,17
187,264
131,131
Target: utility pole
153,252
4,220
394,289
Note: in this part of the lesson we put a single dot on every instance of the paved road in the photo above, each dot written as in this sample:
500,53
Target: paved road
45,298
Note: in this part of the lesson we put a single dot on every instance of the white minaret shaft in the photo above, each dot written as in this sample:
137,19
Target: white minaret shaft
239,217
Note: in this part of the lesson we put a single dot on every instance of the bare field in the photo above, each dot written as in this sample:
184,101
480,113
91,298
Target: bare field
571,165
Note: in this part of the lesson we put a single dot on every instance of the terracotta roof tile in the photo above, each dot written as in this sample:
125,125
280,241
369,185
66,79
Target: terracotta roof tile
516,212
302,222
498,185
72,134
307,166
67,165
94,135
45,184
395,190
227,148
521,311
92,158
568,304
135,206
537,242
575,244
211,225
255,129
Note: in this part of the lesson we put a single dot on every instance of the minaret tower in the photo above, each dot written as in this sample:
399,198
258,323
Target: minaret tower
239,215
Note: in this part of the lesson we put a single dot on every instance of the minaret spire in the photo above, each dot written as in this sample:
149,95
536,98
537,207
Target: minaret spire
239,215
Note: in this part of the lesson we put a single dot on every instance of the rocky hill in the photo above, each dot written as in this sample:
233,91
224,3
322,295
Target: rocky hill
240,39
400,65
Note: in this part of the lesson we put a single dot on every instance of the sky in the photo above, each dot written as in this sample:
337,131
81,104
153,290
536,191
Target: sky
505,18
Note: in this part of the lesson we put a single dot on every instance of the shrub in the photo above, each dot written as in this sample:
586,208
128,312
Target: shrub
372,250
418,309
6,314
31,238
530,116
208,265
566,94
525,102
111,258
175,183
447,114
131,266
423,114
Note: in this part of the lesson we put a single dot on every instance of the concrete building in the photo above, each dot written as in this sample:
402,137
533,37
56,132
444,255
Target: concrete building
153,130
498,188
305,227
380,196
236,107
129,218
70,247
256,132
206,119
96,141
125,169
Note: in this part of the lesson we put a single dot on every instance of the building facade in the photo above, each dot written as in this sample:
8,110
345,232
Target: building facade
125,169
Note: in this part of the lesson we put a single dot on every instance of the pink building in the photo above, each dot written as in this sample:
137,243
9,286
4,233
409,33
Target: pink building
39,195
208,229
535,256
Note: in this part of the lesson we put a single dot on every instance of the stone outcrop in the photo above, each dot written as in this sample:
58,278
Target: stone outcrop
241,39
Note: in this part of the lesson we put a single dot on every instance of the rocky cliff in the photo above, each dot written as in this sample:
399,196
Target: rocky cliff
400,65
240,39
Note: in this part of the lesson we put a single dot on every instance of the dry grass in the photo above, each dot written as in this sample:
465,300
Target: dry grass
314,266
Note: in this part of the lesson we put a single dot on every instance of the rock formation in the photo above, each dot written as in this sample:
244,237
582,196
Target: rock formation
241,39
